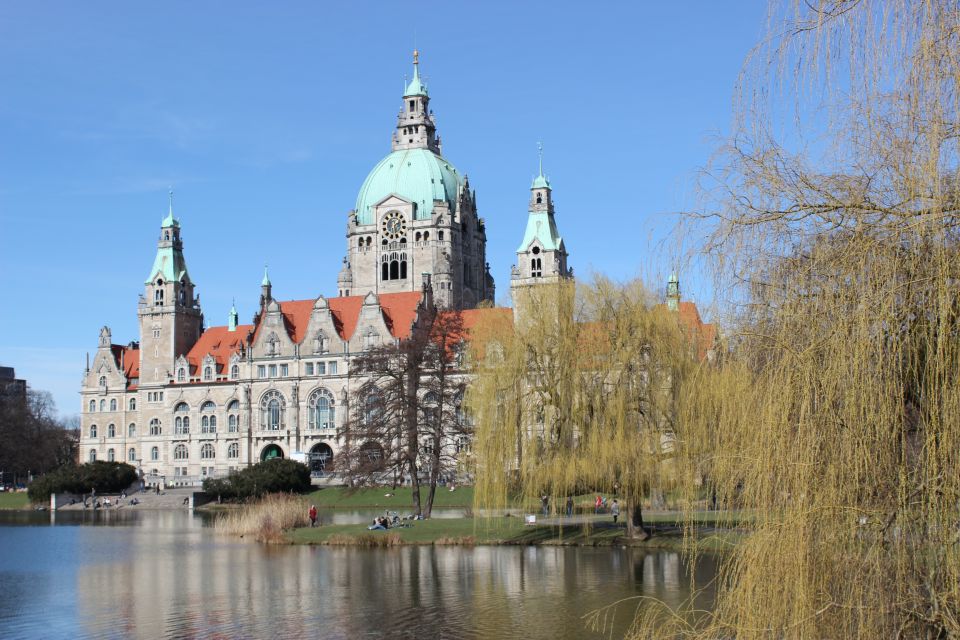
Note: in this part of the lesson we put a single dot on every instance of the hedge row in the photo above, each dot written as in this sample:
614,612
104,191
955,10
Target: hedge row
270,476
105,477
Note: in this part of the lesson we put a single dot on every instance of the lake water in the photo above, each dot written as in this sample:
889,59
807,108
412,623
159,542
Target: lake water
166,574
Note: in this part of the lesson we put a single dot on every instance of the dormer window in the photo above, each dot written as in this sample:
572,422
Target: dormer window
208,373
181,374
370,339
234,372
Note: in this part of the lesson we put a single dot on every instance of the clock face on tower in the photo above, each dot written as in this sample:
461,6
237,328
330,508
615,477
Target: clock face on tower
394,226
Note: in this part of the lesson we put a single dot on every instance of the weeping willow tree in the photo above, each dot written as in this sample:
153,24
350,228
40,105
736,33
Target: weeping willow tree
837,419
577,395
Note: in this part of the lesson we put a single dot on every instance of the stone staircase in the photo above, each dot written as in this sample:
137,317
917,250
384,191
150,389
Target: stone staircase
169,500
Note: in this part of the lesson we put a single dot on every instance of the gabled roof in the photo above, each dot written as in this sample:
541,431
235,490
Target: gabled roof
399,311
128,358
219,342
705,334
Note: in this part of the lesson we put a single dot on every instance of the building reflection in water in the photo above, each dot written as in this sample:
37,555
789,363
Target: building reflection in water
166,575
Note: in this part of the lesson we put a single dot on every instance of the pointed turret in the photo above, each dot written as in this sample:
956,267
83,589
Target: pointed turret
673,292
266,288
170,317
541,256
415,128
234,318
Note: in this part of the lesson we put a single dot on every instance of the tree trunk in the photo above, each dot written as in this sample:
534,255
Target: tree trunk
635,527
415,488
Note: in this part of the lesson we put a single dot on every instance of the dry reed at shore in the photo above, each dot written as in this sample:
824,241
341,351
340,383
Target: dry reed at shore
266,519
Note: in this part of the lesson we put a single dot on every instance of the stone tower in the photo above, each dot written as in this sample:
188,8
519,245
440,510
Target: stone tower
170,317
541,256
416,214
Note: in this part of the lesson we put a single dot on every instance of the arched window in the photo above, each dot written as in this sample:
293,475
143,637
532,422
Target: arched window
320,410
272,407
113,404
93,431
208,373
93,456
208,421
234,371
155,428
371,338
426,236
111,456
233,420
385,271
403,269
418,237
93,406
103,405
111,430
133,404
233,451
181,424
131,430
180,452
440,236
181,374
207,452
371,453
158,296
131,455
394,270
155,453
372,407
539,198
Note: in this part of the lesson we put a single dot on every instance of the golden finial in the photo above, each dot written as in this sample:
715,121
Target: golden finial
416,56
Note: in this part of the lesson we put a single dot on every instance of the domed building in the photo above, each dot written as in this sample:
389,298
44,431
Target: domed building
415,212
187,401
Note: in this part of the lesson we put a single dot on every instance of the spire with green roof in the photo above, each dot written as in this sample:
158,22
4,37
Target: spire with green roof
415,128
169,264
415,87
234,318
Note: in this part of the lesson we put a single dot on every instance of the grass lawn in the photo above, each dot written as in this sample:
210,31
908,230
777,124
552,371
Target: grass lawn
492,531
14,500
400,501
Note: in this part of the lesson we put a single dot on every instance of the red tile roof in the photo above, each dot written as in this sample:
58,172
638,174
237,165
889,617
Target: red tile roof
221,343
705,334
129,358
399,312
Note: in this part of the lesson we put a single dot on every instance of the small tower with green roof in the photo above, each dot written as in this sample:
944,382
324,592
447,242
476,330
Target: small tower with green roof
171,320
542,255
415,127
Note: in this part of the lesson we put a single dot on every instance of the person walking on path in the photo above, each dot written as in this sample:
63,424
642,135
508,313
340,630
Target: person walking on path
569,506
615,510
597,503
545,501
313,515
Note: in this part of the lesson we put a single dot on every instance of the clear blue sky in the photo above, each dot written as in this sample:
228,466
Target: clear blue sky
266,117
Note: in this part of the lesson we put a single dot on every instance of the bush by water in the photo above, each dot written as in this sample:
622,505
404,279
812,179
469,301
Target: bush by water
269,476
105,477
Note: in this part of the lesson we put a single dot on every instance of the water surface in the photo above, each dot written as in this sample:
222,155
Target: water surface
166,574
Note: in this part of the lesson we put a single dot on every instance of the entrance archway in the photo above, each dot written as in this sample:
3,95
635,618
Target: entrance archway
270,452
321,459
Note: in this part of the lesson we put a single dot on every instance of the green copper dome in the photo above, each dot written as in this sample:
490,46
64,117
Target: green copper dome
417,175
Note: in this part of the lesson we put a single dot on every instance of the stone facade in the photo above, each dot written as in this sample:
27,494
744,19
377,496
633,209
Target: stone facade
185,402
